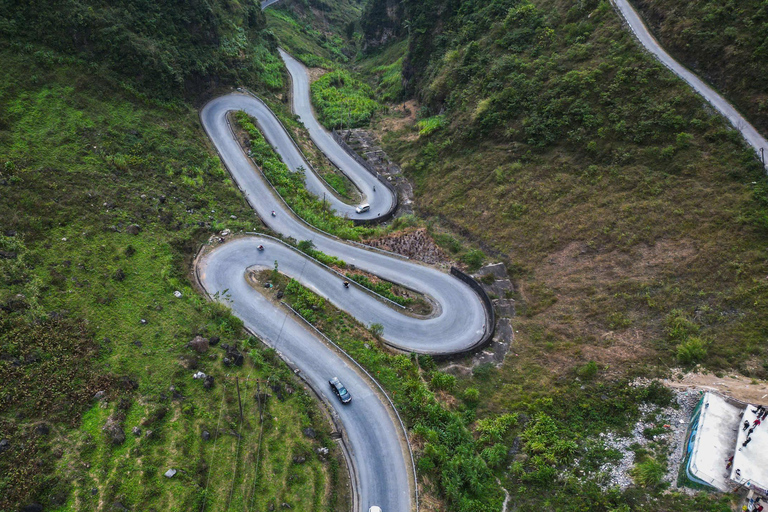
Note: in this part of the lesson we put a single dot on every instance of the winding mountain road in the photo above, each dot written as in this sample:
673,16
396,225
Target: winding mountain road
377,443
750,134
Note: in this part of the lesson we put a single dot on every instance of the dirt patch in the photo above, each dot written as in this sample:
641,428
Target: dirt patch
315,73
737,386
582,282
404,117
413,243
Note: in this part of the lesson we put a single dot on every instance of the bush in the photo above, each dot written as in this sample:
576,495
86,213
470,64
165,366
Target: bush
443,381
473,259
648,473
692,351
588,371
342,101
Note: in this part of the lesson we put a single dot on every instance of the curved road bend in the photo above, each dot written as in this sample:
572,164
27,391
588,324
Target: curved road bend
382,467
751,135
381,200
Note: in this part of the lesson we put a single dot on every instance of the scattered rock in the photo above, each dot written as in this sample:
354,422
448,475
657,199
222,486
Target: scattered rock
226,232
137,343
170,473
133,229
33,507
309,432
208,383
199,344
148,433
136,431
7,255
498,270
114,430
43,429
119,506
233,217
213,341
199,375
161,199
323,451
119,275
99,395
206,435
4,445
299,459
143,321
285,505
415,244
177,294
234,356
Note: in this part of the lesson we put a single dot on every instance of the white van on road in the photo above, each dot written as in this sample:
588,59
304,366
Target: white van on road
363,208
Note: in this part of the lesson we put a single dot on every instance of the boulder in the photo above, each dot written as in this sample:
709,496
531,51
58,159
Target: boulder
114,430
309,432
199,344
206,435
208,383
213,341
136,431
133,229
4,445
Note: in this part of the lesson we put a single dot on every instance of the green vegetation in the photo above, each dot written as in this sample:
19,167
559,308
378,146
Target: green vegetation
163,48
307,247
343,101
315,46
290,186
383,288
722,41
86,305
386,69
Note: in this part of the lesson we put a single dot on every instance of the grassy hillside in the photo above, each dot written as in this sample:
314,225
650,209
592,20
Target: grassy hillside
318,33
87,305
166,47
632,217
725,42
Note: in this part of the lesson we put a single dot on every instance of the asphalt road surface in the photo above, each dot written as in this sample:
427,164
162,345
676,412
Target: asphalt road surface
380,199
383,465
751,135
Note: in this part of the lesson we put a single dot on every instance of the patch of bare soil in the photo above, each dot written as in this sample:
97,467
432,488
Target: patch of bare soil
413,243
737,386
315,73
583,283
404,116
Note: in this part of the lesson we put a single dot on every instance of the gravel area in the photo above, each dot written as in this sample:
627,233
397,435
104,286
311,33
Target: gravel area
674,423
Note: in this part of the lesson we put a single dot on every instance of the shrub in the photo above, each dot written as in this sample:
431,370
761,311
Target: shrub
588,371
443,381
473,259
430,125
691,351
648,473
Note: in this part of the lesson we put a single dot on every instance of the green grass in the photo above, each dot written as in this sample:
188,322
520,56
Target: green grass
342,101
83,159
